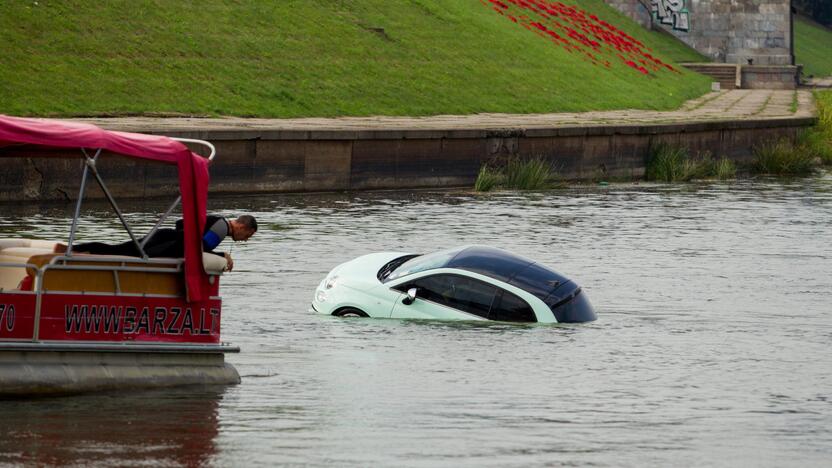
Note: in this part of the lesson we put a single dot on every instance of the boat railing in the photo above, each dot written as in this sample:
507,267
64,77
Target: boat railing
207,144
61,261
98,263
115,265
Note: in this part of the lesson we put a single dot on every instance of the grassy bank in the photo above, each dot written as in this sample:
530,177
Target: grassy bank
820,138
812,43
314,58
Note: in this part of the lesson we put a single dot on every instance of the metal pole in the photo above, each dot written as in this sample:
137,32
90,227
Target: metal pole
38,287
212,150
80,199
161,220
118,211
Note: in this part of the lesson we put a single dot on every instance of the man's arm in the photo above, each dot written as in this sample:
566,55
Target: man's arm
216,229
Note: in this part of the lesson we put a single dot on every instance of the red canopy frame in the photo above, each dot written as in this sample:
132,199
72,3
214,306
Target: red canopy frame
192,169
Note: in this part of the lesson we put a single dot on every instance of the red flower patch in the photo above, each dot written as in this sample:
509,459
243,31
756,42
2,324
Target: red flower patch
580,32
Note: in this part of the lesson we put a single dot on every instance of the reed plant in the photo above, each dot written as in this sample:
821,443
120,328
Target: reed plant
669,163
528,174
664,163
816,143
488,179
822,137
517,174
724,169
782,157
824,104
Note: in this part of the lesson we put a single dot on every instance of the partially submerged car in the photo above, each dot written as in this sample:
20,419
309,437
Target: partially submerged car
463,283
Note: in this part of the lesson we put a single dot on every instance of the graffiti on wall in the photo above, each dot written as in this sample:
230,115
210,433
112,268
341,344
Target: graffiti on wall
672,13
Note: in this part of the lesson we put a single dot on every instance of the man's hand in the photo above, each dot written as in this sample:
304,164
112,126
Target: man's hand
230,262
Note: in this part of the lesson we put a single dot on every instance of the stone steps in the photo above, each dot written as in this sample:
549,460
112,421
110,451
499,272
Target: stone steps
751,76
725,74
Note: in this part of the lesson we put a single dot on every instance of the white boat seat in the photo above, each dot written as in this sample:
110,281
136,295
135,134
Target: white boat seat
35,243
19,251
214,264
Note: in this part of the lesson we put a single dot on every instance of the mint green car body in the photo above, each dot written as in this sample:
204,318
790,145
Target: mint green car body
355,288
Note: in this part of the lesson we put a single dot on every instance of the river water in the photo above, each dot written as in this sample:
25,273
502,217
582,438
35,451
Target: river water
712,345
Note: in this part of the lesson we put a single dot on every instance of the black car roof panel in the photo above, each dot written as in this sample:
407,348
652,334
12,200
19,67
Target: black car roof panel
509,268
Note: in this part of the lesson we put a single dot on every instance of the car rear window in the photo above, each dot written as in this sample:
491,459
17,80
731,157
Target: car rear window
538,280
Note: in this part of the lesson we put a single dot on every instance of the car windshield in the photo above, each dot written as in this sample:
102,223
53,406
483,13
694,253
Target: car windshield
424,262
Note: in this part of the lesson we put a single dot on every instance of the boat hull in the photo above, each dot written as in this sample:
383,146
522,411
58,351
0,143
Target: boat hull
42,369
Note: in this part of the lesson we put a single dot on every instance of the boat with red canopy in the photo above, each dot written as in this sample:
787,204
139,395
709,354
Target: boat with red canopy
73,322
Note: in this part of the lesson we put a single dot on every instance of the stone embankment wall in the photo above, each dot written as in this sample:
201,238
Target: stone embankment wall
251,161
726,31
639,11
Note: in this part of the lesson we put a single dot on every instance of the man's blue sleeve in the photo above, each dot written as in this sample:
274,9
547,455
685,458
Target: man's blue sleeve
210,241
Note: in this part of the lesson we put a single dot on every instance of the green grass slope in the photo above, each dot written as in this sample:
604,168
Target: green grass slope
299,58
813,47
673,48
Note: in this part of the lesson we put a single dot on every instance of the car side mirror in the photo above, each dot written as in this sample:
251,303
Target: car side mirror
411,296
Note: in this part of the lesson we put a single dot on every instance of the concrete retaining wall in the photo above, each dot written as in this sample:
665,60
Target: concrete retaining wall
770,77
251,161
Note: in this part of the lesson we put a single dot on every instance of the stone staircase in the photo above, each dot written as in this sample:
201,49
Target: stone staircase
724,73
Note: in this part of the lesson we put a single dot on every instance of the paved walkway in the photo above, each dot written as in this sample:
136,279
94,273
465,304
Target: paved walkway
723,105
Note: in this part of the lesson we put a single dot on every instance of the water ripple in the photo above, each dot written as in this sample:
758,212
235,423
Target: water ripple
712,342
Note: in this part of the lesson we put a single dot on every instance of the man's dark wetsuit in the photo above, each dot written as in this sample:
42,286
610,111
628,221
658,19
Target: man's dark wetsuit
165,242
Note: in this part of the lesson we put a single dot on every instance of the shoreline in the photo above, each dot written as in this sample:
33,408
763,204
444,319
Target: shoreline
383,153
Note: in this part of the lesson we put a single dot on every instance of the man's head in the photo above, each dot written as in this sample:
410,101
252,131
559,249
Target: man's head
243,227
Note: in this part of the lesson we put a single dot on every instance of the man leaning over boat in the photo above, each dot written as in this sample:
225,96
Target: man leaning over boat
168,242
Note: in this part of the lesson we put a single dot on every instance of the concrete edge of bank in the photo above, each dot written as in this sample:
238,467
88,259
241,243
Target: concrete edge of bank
473,133
284,160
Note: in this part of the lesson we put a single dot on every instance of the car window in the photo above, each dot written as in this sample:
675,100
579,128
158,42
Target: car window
510,308
423,262
458,292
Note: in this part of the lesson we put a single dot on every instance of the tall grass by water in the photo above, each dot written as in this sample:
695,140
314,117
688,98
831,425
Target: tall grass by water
782,157
517,174
817,144
820,138
724,169
670,163
488,179
529,174
812,146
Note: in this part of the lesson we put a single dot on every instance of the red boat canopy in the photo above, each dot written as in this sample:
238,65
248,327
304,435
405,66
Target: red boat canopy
193,171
